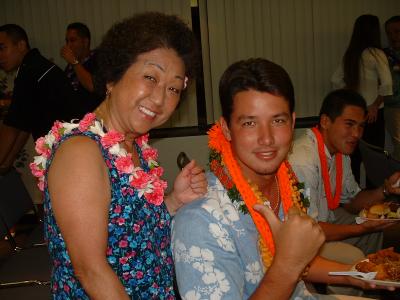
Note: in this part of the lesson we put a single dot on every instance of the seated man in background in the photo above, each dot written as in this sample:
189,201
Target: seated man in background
81,64
41,94
249,237
320,159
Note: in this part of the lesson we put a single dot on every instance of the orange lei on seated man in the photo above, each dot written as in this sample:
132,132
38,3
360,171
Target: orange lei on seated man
233,180
333,201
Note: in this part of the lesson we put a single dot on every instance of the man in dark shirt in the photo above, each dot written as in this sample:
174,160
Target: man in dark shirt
81,64
41,94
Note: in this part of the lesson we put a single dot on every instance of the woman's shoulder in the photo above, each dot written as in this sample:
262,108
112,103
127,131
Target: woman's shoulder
81,146
373,52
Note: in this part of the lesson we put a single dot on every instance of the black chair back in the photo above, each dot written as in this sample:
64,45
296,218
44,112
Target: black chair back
378,163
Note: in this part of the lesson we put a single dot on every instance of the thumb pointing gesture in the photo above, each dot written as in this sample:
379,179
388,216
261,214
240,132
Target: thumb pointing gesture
273,221
289,237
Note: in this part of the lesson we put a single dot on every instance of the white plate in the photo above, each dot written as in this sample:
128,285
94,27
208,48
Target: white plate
391,219
360,220
374,281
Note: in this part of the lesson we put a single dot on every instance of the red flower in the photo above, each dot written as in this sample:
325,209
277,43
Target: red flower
36,171
117,209
141,181
136,228
141,140
150,153
120,221
123,244
111,138
42,148
124,164
55,130
157,196
157,171
86,122
123,260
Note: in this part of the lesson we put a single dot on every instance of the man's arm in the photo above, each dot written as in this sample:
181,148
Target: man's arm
363,199
84,77
338,232
292,255
367,198
319,273
12,140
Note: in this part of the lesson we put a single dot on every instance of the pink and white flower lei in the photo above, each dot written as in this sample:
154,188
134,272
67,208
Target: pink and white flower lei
149,184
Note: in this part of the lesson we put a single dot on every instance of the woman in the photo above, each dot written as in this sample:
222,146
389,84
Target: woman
107,221
365,69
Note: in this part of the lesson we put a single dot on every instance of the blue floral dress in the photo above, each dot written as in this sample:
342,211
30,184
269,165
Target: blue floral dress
138,239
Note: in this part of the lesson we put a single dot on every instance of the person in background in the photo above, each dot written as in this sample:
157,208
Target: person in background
81,65
320,159
392,103
249,237
41,94
365,69
6,88
107,217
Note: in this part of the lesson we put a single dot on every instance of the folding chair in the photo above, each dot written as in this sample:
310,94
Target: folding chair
378,163
15,202
32,265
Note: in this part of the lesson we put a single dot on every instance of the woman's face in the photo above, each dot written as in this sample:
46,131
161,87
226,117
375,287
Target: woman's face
148,93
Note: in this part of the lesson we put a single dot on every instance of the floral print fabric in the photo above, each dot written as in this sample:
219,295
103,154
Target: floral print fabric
215,250
138,238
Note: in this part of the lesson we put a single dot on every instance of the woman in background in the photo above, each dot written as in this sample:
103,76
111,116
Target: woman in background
365,69
107,220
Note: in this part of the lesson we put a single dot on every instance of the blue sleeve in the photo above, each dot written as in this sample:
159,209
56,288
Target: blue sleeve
206,260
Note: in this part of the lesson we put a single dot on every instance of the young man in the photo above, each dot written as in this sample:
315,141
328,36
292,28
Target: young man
320,159
392,103
81,65
41,94
222,244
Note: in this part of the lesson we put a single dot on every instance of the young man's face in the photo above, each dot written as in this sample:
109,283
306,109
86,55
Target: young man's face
343,134
393,34
261,129
79,45
11,54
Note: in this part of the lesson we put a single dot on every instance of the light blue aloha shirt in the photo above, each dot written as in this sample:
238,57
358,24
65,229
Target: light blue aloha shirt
215,249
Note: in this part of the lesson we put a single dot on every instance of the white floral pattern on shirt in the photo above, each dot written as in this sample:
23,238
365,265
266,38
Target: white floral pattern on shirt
215,250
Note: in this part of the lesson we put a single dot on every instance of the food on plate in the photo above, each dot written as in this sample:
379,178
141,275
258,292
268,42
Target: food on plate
386,210
385,262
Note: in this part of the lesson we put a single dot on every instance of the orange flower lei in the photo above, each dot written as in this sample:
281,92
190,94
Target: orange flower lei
288,182
333,202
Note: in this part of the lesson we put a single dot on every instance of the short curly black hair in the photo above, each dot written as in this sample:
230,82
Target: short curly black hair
141,33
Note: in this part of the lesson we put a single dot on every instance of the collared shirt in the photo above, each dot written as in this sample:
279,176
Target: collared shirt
215,249
41,96
375,77
305,162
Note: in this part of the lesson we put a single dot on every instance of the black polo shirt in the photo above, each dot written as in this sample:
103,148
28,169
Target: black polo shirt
41,95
